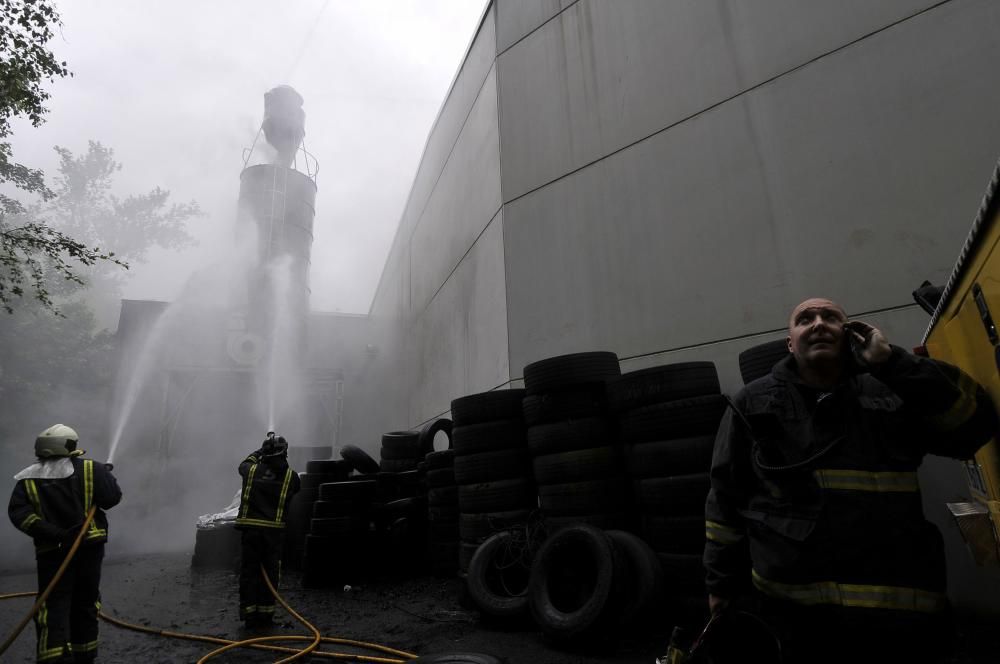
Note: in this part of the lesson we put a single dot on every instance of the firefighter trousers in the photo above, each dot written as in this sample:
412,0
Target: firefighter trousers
261,546
66,622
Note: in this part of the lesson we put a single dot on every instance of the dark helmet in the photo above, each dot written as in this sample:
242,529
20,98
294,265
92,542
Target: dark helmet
275,446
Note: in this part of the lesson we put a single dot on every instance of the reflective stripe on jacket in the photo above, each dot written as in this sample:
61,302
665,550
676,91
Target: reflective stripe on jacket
818,501
267,490
45,508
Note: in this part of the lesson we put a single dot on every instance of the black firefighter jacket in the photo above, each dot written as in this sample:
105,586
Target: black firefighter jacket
46,508
818,502
268,487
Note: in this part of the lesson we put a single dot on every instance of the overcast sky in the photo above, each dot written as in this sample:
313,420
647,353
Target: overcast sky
177,90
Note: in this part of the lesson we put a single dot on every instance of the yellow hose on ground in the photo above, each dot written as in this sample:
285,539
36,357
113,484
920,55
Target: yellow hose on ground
52,584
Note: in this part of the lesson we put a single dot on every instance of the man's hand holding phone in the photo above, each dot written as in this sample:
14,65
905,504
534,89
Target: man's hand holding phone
867,344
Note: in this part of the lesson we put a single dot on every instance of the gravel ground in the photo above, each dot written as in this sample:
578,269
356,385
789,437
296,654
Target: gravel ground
420,615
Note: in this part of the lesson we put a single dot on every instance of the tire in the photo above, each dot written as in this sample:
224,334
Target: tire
578,465
442,511
447,495
608,521
465,552
492,466
398,465
572,582
360,460
697,416
659,458
355,491
430,430
477,527
674,534
668,382
441,477
324,509
757,361
489,437
591,401
438,460
499,496
498,577
313,480
680,495
558,373
339,526
334,467
487,407
645,577
578,498
404,444
569,436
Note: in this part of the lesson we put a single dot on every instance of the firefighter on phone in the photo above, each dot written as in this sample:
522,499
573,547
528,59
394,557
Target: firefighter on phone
50,502
268,487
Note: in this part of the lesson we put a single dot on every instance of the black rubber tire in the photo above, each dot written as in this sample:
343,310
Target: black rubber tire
500,496
399,465
324,509
644,587
674,534
577,466
682,572
404,444
498,578
697,416
445,495
440,477
430,430
487,407
572,581
590,401
489,437
360,460
458,658
336,526
477,527
313,480
668,382
757,361
357,491
608,521
492,466
679,456
679,495
442,511
465,552
394,454
591,497
336,467
441,459
558,373
570,435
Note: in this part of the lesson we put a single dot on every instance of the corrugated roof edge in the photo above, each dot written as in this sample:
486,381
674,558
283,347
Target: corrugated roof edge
986,210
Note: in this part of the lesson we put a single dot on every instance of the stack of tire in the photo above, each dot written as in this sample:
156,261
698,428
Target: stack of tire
668,419
339,542
571,435
401,451
492,467
297,526
757,361
442,512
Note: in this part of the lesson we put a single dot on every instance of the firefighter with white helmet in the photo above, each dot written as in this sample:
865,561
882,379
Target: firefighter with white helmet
50,503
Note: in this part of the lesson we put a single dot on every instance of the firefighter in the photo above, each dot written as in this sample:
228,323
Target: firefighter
815,512
268,487
49,503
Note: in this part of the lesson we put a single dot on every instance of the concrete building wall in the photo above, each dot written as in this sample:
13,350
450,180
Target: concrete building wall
666,179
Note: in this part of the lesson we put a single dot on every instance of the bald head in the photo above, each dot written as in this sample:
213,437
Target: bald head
818,304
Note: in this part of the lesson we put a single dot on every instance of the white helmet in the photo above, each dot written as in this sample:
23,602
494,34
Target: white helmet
57,441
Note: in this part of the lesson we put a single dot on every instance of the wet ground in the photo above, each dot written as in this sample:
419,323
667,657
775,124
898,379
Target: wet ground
420,615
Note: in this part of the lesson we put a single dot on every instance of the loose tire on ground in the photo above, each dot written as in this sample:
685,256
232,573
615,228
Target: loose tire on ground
498,577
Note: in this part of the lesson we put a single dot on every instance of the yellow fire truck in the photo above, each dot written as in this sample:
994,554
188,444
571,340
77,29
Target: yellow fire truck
963,331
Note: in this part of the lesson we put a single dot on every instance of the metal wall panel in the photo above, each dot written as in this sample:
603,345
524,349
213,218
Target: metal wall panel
460,339
605,74
517,18
465,197
853,177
